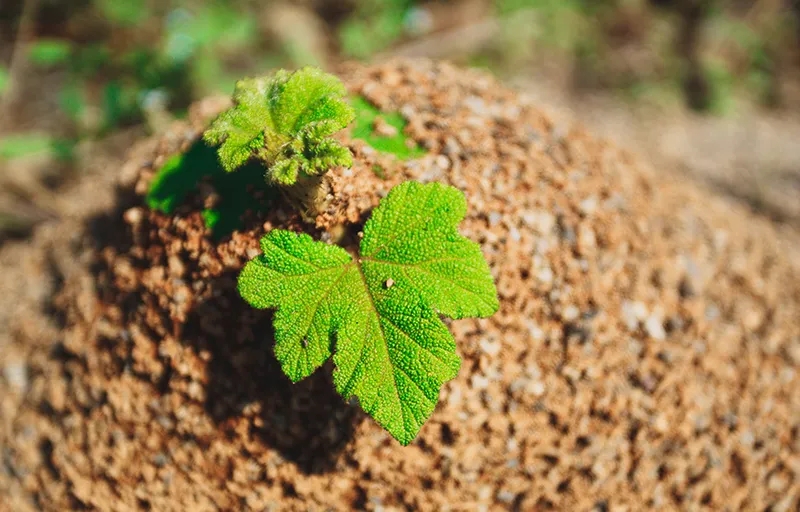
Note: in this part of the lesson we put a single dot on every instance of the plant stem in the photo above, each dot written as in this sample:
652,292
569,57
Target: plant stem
309,195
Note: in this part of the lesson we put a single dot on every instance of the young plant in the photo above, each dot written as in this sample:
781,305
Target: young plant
286,121
378,311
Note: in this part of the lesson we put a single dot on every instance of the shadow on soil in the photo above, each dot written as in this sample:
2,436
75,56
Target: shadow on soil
754,197
307,422
247,394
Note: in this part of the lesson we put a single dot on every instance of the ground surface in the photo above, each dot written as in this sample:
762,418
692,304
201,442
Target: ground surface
645,354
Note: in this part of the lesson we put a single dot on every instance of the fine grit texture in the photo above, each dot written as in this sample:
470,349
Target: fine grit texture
645,354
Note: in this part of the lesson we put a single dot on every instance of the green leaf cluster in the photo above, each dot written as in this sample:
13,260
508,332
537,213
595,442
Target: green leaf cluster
373,27
286,121
381,309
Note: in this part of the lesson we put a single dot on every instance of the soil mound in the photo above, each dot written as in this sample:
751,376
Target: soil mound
645,356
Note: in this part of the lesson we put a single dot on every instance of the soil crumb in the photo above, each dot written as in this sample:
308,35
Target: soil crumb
645,355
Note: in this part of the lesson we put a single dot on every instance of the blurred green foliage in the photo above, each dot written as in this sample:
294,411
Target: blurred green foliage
24,144
4,79
118,63
363,128
373,26
49,52
149,57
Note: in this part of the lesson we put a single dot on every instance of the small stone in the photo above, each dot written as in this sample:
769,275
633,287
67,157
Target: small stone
476,104
569,236
451,147
160,460
533,371
536,388
661,424
518,385
587,240
133,216
506,496
16,374
777,483
536,332
442,162
195,391
479,382
655,328
182,295
785,504
633,313
635,346
571,313
176,266
545,276
512,444
490,348
588,206
542,222
383,129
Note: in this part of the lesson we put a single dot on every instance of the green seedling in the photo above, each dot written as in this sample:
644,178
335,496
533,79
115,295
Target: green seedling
285,121
378,311
375,312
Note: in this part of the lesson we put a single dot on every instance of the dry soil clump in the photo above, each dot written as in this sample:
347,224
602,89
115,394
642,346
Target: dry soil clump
645,356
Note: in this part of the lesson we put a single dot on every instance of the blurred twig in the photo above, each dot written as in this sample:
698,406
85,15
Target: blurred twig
25,32
457,41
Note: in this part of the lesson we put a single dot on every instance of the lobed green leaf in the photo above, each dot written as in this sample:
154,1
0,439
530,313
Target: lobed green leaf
392,351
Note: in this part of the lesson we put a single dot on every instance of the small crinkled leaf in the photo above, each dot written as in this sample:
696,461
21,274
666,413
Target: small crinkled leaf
281,120
393,351
310,95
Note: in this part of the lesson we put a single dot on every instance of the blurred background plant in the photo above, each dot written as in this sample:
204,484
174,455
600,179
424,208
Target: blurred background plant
75,73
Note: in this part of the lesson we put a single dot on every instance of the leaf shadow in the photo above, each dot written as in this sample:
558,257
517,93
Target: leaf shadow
246,394
307,422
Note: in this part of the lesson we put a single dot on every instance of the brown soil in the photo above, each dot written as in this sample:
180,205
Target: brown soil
645,355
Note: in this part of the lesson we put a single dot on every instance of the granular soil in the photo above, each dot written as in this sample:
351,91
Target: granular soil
645,355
